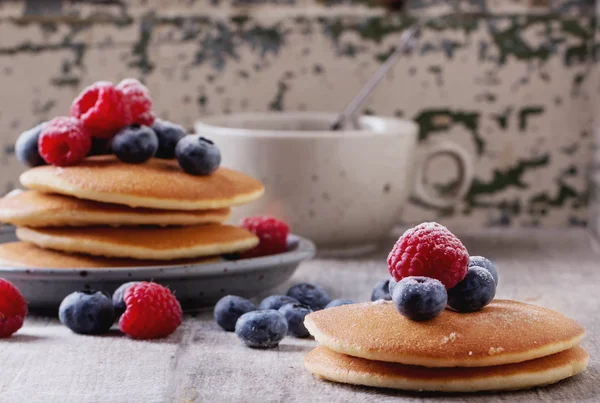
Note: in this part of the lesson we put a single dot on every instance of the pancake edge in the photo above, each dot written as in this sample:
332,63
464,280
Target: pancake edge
96,248
513,382
498,359
56,185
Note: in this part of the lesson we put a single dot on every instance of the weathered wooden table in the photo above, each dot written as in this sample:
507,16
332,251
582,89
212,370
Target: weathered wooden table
45,362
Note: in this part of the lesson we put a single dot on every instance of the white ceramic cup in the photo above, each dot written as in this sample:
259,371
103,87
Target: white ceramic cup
342,189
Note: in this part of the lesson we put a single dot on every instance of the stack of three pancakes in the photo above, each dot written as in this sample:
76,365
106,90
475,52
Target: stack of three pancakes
508,345
105,213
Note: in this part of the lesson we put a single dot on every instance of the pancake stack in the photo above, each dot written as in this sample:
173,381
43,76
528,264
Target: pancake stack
106,213
508,345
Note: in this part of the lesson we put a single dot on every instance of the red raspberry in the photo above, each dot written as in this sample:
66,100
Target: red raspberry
429,250
64,141
271,232
13,309
103,109
151,312
139,101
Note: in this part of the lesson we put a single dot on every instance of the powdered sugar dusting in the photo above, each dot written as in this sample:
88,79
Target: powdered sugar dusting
470,353
495,350
380,302
450,338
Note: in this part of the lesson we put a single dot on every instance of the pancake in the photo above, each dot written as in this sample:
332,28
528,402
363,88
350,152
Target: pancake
504,332
154,243
342,368
157,184
24,254
37,209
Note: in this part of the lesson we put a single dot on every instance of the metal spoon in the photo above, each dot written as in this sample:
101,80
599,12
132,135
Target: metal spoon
407,42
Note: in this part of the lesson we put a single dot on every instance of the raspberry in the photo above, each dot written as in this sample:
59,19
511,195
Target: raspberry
429,250
102,108
151,312
271,232
13,309
64,141
138,98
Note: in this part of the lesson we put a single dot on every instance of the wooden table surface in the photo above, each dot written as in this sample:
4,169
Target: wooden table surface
45,362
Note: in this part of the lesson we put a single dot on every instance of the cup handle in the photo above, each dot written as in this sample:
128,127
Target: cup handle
432,149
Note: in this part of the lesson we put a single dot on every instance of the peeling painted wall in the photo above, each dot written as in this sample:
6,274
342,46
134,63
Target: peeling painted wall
513,85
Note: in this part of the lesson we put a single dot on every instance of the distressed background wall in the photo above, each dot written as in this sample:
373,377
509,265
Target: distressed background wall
514,86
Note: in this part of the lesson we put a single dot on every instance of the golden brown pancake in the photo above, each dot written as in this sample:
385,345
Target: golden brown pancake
504,332
338,367
24,254
37,209
154,243
157,184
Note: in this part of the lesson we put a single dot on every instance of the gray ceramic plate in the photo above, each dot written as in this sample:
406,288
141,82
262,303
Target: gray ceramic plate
194,285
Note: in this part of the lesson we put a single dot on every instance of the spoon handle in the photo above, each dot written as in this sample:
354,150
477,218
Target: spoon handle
407,42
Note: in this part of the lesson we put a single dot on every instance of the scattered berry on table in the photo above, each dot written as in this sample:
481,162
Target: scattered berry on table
117,297
381,291
64,141
271,232
138,99
87,312
261,329
429,250
311,295
486,264
197,155
13,309
339,302
294,314
102,108
276,301
168,134
26,147
419,298
152,311
229,309
135,144
100,147
392,284
474,292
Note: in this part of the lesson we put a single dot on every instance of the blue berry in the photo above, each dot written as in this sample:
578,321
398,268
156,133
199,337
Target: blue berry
420,298
197,155
311,295
276,301
135,144
168,134
381,291
100,147
87,312
392,284
117,297
26,147
475,291
294,314
229,309
261,329
486,264
339,302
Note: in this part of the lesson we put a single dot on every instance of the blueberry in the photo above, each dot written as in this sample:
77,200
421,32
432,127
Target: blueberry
311,295
26,147
87,312
197,155
261,329
475,291
276,301
168,134
135,144
392,284
294,314
117,297
419,298
381,291
486,264
229,309
100,147
339,302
